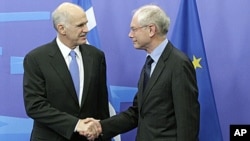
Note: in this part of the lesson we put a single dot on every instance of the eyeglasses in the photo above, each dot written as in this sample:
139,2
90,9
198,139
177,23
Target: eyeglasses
134,29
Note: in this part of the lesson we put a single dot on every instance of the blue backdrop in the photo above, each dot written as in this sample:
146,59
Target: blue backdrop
25,25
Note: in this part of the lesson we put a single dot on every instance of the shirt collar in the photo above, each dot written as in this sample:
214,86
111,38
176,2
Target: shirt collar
155,55
66,50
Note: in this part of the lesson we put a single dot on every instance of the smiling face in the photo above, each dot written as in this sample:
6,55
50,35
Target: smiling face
71,25
76,30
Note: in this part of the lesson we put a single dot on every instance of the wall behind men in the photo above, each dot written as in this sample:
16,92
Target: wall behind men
225,27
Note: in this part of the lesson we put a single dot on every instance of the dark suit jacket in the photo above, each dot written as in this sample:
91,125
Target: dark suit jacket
168,110
49,95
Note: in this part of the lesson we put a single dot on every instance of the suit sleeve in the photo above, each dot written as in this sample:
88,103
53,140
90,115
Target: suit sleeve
121,123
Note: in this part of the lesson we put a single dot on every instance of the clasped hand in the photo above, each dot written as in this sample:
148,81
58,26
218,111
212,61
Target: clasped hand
90,128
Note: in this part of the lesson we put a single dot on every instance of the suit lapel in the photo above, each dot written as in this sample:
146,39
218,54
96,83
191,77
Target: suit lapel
60,66
160,66
88,65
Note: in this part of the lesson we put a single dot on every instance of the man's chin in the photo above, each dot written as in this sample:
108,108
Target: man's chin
137,47
83,42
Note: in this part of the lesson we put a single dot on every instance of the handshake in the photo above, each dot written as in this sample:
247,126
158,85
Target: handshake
89,127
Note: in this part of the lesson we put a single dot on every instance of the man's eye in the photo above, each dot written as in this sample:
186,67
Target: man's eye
82,25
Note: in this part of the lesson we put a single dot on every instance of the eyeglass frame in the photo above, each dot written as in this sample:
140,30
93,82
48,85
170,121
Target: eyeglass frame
134,29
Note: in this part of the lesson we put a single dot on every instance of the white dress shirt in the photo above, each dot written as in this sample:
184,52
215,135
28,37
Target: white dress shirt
65,52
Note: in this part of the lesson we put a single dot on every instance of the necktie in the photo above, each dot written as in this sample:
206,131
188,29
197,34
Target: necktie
147,70
74,71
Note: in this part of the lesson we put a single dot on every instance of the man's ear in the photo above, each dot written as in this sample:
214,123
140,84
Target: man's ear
61,29
152,30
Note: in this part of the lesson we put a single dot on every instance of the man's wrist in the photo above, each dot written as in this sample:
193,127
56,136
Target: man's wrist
77,126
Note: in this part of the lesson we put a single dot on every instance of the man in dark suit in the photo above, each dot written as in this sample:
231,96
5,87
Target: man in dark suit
165,108
50,97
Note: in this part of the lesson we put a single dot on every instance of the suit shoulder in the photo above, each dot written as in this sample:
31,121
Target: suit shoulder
42,49
91,49
179,54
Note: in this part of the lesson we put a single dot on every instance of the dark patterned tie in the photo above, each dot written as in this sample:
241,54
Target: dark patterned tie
74,71
147,70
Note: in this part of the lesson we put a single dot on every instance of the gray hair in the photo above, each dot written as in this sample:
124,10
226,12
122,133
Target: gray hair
152,14
59,17
62,14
